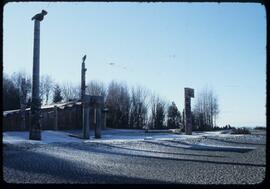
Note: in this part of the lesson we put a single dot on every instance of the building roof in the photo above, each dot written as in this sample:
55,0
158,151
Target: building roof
59,105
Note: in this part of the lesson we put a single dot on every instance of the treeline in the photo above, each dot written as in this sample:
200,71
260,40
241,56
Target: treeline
129,107
205,110
135,107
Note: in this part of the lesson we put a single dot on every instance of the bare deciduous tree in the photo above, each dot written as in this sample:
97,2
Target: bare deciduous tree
47,87
139,107
206,109
118,103
22,82
96,88
70,91
157,116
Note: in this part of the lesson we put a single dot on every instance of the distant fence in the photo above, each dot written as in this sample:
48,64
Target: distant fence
68,118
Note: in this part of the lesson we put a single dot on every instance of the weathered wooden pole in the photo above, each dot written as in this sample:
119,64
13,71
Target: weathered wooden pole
104,125
188,120
96,105
35,128
85,106
83,70
23,94
86,119
55,118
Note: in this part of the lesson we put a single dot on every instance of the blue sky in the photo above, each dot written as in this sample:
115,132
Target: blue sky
162,46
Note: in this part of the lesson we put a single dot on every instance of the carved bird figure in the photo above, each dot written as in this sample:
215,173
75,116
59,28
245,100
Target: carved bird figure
84,57
39,16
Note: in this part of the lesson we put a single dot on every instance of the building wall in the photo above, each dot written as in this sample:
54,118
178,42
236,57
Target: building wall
68,118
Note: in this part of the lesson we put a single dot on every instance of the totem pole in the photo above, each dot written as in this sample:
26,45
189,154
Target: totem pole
189,93
35,127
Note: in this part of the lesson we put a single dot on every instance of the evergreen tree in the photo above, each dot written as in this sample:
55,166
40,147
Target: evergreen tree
160,116
57,97
174,117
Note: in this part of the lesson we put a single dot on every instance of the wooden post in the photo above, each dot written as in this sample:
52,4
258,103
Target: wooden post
97,103
95,115
55,118
104,111
86,125
22,112
105,120
86,131
23,94
98,123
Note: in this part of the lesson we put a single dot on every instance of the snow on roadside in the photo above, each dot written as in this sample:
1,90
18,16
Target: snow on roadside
62,136
14,137
108,136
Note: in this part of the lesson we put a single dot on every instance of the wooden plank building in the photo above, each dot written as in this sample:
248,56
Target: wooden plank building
68,118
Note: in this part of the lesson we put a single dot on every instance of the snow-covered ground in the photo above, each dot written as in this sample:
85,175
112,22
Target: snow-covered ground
133,156
112,135
15,137
122,135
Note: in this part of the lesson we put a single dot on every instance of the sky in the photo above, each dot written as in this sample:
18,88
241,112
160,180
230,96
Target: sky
164,47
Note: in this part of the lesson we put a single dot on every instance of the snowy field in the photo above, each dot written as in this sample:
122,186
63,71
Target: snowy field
109,135
133,156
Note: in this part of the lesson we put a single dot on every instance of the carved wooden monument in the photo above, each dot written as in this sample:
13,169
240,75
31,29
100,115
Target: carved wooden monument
189,93
92,107
35,128
85,101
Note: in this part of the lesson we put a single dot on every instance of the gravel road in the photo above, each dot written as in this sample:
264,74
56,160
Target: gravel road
149,161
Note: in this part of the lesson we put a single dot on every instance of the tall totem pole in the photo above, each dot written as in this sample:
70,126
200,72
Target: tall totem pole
188,120
35,128
85,108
